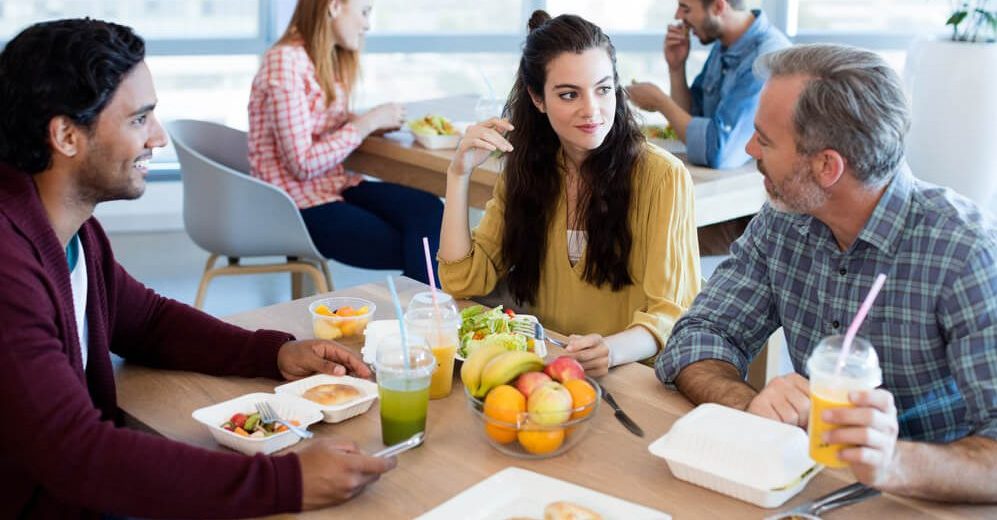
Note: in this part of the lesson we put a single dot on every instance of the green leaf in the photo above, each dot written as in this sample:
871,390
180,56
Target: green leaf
990,17
957,18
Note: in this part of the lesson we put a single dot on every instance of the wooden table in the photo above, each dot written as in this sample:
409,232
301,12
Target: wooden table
609,459
721,195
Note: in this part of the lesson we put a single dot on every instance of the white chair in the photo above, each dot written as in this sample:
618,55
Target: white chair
229,213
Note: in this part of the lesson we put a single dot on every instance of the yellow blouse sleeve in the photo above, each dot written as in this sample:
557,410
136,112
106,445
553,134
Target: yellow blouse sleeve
477,273
672,275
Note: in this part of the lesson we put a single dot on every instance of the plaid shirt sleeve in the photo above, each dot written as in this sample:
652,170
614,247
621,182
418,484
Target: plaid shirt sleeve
968,315
306,154
733,316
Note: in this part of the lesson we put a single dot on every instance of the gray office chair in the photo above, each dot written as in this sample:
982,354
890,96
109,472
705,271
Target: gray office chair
229,213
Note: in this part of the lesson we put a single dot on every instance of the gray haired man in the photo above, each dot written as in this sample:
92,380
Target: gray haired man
843,207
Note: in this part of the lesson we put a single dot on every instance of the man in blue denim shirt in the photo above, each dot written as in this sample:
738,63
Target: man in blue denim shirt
843,207
714,116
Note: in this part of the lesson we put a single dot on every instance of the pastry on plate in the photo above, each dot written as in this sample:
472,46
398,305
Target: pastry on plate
568,511
331,394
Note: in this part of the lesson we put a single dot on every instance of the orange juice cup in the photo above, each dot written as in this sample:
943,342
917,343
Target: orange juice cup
439,332
829,388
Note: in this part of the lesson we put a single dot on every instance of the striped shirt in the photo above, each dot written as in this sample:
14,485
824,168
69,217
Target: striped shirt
296,142
934,325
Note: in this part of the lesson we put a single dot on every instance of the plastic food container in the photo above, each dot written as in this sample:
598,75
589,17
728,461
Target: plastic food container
330,326
742,455
288,407
339,412
376,332
437,142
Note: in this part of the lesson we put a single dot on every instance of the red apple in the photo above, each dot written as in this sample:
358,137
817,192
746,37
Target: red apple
564,369
529,381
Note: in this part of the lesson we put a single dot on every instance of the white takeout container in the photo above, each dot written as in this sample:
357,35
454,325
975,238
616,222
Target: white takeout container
334,413
287,407
376,332
437,142
742,455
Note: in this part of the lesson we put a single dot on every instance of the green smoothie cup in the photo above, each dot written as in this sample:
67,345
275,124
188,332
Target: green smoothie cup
403,388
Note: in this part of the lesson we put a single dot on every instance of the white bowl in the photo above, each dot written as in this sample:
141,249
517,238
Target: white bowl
742,455
339,412
437,142
287,407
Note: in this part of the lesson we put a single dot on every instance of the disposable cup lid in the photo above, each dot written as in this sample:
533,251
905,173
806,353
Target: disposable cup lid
860,365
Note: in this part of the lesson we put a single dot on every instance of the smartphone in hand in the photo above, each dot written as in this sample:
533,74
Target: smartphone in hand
401,447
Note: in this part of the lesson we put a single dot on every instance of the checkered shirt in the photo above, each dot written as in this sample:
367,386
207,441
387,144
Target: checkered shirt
934,325
296,142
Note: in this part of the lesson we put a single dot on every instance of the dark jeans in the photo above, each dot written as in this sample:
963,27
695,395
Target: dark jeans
379,225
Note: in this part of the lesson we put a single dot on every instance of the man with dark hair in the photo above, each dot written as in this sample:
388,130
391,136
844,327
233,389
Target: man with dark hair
713,116
829,139
77,128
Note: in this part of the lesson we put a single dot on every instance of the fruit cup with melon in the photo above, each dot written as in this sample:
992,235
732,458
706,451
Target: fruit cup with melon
340,317
527,410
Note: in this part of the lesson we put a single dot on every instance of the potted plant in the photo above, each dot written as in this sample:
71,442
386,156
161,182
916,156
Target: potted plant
952,84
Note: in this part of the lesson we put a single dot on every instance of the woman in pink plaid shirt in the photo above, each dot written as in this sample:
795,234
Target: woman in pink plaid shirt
301,130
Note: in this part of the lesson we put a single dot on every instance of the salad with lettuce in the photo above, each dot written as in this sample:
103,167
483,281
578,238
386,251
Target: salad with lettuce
480,326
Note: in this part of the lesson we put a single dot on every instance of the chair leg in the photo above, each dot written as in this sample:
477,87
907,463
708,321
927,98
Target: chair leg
202,288
328,274
297,285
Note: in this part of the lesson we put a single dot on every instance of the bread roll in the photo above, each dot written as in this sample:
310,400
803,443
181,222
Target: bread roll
568,511
331,394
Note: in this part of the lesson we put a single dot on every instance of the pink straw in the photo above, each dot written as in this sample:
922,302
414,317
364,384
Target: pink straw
857,322
432,285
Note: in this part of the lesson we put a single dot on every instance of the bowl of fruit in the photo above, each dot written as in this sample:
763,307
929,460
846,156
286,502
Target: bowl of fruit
527,409
341,317
435,132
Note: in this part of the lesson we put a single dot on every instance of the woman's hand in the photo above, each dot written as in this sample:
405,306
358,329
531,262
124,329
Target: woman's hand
479,141
382,118
591,351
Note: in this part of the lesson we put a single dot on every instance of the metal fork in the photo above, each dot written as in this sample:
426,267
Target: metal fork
534,329
268,415
848,495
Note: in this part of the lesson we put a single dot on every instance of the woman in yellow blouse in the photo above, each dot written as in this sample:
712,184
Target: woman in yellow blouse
591,227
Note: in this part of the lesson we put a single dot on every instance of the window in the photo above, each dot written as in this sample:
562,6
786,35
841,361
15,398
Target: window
153,19
446,16
924,16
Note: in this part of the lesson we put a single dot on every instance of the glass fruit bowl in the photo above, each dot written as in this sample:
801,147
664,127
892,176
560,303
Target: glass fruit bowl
537,435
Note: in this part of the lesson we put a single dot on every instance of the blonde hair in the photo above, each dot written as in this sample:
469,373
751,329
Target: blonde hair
333,63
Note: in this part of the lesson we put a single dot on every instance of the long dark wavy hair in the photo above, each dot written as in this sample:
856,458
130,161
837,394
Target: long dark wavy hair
532,179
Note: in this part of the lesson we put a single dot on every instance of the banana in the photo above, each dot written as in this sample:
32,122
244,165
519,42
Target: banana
470,373
505,367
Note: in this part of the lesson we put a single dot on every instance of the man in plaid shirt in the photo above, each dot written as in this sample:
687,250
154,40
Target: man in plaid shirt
829,139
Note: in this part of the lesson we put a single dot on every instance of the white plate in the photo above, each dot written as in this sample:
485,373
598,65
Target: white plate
339,412
518,492
673,146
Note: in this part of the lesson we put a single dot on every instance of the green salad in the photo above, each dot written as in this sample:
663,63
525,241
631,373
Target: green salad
480,326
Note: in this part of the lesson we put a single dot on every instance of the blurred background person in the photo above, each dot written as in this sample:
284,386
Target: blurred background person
301,130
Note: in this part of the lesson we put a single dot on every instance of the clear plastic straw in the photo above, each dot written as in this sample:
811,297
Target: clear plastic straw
401,321
853,329
432,289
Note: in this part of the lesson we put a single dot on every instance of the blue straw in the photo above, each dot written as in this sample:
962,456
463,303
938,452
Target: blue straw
401,320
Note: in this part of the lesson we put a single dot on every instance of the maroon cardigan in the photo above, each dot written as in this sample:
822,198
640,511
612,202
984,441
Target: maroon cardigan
62,450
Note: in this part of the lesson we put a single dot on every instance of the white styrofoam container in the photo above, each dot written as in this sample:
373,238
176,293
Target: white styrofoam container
335,413
742,455
287,407
437,142
376,332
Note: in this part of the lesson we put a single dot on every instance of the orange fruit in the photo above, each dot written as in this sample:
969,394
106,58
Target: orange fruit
582,396
541,442
503,403
324,310
345,311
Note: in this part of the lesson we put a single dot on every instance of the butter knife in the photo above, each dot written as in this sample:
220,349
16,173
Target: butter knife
621,415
